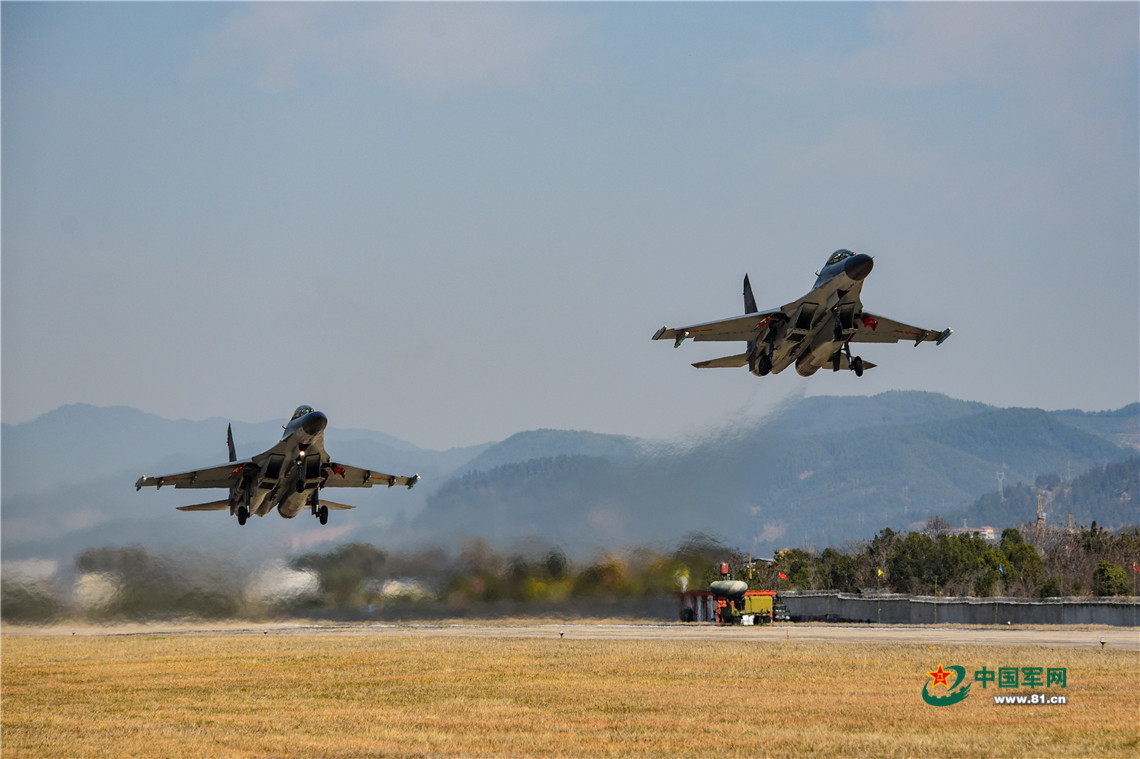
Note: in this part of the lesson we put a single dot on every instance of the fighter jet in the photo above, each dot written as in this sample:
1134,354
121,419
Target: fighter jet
812,332
289,476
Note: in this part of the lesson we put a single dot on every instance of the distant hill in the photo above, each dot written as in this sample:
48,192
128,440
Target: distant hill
1108,495
545,444
829,414
1120,426
822,470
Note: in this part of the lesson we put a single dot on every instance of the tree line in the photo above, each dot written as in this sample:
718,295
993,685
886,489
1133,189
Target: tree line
360,580
1024,563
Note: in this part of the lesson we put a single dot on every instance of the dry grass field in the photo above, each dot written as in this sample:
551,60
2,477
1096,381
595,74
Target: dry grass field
403,694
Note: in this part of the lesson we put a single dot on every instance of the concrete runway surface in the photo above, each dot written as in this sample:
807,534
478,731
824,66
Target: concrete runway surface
1127,639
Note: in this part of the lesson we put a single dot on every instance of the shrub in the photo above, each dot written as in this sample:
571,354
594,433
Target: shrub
1110,580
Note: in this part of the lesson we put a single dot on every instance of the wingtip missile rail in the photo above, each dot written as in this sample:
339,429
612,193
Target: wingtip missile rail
679,336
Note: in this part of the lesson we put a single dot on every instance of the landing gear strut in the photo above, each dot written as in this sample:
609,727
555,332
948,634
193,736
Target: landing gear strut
242,511
320,511
856,363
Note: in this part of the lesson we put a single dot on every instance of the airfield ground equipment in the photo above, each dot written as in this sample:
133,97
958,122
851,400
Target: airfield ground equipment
731,602
737,605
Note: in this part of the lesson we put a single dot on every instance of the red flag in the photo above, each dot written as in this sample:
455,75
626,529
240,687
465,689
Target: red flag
1134,568
783,576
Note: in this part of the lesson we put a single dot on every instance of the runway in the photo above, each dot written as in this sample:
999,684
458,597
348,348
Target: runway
1118,639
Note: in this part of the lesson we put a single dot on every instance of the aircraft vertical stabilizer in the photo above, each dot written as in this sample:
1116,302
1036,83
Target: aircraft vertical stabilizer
230,442
749,299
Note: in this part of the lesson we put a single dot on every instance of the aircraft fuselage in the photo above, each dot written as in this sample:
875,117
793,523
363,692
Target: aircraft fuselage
288,477
815,328
290,474
811,332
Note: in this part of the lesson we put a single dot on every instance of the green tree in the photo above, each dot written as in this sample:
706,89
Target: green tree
875,558
912,565
1024,570
838,571
968,564
799,566
1110,580
1056,587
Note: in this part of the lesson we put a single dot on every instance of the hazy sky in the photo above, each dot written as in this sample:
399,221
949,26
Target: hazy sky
456,222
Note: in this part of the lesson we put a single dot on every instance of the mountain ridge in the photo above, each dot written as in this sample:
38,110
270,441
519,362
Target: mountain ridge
824,459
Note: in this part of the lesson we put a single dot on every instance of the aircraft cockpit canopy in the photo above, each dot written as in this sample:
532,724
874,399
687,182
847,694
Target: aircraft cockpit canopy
839,255
301,411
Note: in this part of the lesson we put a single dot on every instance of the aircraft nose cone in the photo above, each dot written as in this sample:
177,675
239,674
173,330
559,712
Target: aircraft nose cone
314,423
858,266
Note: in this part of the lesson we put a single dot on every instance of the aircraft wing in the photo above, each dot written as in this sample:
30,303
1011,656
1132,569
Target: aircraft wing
212,506
221,476
726,362
348,476
747,327
336,506
880,329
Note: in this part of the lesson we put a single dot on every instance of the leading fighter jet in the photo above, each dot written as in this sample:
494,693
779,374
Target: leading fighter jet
289,476
814,331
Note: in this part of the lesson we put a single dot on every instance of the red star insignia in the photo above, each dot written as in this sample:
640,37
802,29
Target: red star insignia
941,676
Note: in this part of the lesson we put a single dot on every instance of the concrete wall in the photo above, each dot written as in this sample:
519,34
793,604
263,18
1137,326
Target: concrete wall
891,609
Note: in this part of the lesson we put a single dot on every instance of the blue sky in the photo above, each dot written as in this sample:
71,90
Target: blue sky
455,222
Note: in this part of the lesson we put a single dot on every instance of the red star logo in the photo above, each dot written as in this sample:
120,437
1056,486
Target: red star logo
941,676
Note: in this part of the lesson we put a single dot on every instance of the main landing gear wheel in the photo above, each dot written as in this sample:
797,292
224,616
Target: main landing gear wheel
242,514
323,514
764,365
855,363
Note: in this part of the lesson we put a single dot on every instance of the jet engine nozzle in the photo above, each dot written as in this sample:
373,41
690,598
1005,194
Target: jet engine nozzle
858,266
314,423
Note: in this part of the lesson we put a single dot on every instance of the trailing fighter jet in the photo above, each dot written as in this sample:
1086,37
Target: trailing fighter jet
290,475
815,331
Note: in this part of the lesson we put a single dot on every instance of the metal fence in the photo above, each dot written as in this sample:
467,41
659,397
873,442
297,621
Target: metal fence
894,609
